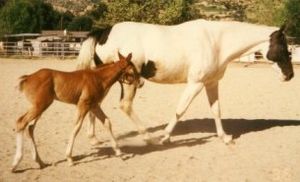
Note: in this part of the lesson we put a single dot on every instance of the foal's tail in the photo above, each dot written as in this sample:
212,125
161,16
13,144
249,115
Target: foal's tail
22,82
87,57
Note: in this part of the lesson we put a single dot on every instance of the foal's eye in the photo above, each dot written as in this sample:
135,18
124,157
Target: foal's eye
129,77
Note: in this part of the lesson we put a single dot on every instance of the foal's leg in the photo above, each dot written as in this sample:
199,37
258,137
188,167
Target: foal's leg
126,106
107,124
22,123
213,98
19,151
82,112
188,95
35,154
91,129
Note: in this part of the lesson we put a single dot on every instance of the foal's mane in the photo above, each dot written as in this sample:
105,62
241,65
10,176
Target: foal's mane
107,65
101,66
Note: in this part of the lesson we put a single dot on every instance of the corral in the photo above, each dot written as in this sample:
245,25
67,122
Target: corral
261,113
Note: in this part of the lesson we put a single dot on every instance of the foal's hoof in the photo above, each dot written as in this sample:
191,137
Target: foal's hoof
13,169
152,141
94,141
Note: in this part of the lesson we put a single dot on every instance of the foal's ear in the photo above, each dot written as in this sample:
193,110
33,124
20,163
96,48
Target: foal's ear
121,57
128,58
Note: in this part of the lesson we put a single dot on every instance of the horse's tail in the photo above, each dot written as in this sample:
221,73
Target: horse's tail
87,57
86,53
22,82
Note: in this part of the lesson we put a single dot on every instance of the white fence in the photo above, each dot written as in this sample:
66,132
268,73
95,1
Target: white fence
40,49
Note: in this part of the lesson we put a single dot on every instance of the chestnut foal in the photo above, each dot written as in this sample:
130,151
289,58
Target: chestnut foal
84,88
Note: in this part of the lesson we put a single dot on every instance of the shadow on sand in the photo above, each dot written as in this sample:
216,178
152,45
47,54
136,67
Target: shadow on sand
235,127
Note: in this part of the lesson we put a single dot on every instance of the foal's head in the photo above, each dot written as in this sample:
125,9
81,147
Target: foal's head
130,74
278,53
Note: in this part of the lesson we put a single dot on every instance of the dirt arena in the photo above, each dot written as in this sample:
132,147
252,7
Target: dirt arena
262,113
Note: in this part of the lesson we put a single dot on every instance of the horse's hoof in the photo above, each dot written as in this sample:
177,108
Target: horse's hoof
126,156
43,165
70,162
118,152
165,140
227,139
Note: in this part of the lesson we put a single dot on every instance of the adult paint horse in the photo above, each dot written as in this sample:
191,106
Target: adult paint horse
195,52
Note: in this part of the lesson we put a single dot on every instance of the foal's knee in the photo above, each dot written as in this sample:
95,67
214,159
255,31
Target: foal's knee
32,114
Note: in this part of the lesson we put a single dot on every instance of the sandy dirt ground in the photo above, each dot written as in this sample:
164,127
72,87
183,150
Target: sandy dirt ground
262,114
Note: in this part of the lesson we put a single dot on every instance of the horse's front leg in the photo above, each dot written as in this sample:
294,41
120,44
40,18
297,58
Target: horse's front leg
127,96
187,97
213,99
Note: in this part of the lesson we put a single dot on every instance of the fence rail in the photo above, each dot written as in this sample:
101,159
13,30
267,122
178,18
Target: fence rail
40,49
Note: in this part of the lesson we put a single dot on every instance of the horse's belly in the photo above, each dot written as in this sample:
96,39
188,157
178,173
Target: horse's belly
163,74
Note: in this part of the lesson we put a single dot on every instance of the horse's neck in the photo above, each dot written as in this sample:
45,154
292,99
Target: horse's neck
241,39
110,73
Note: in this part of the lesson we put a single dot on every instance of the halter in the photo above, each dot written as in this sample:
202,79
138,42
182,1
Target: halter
124,78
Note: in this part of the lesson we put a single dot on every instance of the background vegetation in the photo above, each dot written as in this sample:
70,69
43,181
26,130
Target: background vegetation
32,16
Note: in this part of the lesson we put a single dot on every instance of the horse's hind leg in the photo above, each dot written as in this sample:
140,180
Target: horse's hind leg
107,124
126,106
212,92
35,154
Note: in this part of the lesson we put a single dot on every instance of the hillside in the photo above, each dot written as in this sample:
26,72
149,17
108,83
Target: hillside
77,7
209,9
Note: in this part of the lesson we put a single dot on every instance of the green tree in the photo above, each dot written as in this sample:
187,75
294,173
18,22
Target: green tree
19,16
151,11
265,12
98,12
64,20
82,23
27,16
291,15
2,3
277,13
49,17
